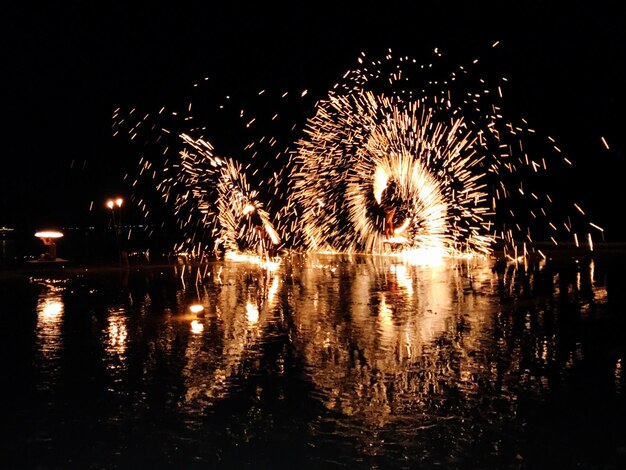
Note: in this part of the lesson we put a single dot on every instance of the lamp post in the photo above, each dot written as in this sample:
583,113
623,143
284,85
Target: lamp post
112,204
49,237
118,202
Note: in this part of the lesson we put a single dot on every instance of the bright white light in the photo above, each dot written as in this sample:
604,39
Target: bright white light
196,308
272,233
49,234
402,227
52,309
380,183
424,256
196,327
252,313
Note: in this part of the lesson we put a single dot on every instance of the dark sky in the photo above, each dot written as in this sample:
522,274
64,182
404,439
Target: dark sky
68,65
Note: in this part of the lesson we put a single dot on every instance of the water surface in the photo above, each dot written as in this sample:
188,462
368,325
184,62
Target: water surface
326,362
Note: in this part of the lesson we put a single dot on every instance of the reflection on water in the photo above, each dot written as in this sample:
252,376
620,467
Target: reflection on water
385,340
116,334
50,309
236,305
349,359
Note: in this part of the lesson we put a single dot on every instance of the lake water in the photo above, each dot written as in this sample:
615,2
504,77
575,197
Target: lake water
325,362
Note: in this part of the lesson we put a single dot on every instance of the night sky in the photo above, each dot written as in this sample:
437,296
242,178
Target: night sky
68,65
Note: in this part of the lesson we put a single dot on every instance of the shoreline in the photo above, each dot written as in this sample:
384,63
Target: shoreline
549,251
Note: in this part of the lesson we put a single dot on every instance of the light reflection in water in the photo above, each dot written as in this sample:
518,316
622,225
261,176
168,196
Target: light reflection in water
379,337
50,316
435,332
252,313
390,366
381,345
196,327
374,348
116,335
240,300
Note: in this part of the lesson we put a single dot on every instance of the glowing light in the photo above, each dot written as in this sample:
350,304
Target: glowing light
196,327
424,256
49,234
111,203
402,277
606,145
402,227
380,183
385,314
270,265
196,308
273,289
117,333
51,309
252,313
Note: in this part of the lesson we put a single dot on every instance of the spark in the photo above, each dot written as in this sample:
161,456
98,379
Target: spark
605,143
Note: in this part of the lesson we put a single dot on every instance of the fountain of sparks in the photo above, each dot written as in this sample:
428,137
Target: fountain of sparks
360,146
216,210
391,162
239,220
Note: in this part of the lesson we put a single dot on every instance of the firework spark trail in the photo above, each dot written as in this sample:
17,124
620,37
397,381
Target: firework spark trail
236,203
219,190
209,196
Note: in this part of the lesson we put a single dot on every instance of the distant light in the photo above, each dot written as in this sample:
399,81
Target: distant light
252,313
114,202
49,234
197,327
52,309
196,308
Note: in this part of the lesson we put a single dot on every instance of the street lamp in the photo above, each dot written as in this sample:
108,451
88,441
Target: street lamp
118,202
48,237
111,204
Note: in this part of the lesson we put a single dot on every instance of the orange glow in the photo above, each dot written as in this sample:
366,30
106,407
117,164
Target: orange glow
111,203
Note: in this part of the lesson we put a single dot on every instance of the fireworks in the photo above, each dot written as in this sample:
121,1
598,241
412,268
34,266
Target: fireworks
392,160
361,145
